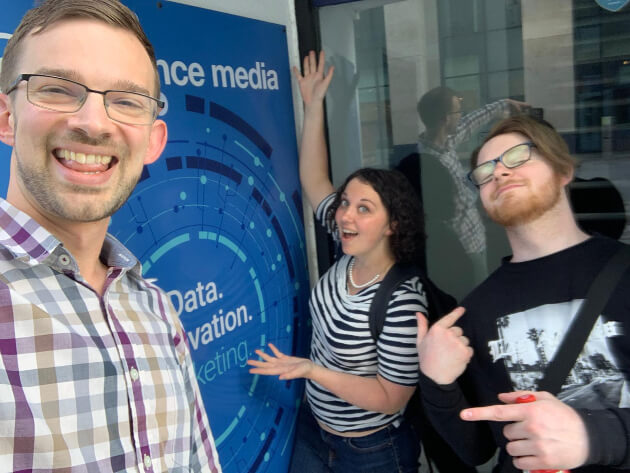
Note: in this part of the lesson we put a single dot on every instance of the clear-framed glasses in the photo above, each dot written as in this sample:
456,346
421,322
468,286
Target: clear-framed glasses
511,158
65,95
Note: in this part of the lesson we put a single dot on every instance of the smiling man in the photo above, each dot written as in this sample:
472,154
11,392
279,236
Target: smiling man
95,374
517,318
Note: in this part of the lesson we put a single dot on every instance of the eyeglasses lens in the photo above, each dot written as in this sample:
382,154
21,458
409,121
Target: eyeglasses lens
512,158
516,156
67,96
55,94
483,173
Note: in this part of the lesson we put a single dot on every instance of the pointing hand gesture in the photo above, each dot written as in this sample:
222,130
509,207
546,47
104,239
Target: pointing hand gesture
443,349
544,434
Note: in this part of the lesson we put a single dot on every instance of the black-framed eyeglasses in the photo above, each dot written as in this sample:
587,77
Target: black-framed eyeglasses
68,96
510,158
460,111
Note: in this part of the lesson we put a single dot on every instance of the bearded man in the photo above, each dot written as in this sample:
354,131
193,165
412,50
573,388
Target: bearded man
517,318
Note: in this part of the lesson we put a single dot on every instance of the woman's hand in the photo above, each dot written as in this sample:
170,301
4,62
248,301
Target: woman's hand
281,365
314,83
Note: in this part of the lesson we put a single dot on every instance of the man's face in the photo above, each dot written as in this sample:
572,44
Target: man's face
522,194
81,166
452,119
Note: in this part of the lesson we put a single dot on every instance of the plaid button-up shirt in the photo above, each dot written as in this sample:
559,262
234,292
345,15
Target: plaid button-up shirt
91,383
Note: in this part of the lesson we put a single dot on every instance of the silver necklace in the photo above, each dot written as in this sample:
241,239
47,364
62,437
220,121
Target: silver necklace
359,286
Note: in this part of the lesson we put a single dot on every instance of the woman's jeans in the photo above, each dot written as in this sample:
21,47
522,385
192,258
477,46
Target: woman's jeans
389,450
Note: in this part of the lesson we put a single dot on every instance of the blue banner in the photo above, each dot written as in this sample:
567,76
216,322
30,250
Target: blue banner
217,219
10,16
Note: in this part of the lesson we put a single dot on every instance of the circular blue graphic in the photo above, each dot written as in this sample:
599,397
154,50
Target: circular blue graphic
213,225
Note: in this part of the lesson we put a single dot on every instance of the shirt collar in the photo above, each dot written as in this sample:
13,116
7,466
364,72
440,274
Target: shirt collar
426,146
115,254
27,240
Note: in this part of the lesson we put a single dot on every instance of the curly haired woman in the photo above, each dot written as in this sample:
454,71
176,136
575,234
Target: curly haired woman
357,388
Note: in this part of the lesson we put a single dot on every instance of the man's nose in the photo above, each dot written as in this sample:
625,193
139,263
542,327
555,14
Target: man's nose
501,169
92,117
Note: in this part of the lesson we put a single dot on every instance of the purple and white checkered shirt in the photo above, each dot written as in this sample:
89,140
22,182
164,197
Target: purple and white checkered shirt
91,383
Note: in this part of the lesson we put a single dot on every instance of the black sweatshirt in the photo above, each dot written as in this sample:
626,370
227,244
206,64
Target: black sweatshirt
515,321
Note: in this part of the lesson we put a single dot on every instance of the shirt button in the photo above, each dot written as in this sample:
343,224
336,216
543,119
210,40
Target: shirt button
134,377
147,462
64,260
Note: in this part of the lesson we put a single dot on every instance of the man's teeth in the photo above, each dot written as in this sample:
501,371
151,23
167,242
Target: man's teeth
83,158
348,232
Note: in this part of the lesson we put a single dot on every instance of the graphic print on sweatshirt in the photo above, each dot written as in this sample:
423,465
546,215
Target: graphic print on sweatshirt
528,341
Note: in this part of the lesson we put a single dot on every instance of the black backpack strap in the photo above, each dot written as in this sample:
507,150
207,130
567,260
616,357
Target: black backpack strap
575,338
439,303
378,308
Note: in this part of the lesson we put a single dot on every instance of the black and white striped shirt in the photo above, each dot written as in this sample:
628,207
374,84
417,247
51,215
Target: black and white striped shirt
342,342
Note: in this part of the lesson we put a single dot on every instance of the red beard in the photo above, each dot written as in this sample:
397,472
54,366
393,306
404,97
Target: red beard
511,209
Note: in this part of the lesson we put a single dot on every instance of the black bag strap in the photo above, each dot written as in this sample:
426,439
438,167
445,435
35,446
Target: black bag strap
438,301
575,338
378,308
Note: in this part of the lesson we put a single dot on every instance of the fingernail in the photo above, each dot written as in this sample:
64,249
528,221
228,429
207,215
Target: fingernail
466,415
525,398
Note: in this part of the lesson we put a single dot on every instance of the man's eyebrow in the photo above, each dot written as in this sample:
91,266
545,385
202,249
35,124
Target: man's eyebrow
123,85
128,86
63,73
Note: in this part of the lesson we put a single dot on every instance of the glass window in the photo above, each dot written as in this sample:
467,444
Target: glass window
568,59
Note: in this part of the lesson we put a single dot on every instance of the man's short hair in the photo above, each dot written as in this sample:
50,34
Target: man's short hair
38,19
549,144
435,105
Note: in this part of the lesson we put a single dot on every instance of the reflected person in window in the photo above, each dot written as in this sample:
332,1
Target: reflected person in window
456,237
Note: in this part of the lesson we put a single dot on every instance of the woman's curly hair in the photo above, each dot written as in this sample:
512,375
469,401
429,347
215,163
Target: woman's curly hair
405,213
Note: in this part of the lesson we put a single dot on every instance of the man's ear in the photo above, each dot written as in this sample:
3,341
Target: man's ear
7,121
566,179
157,141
